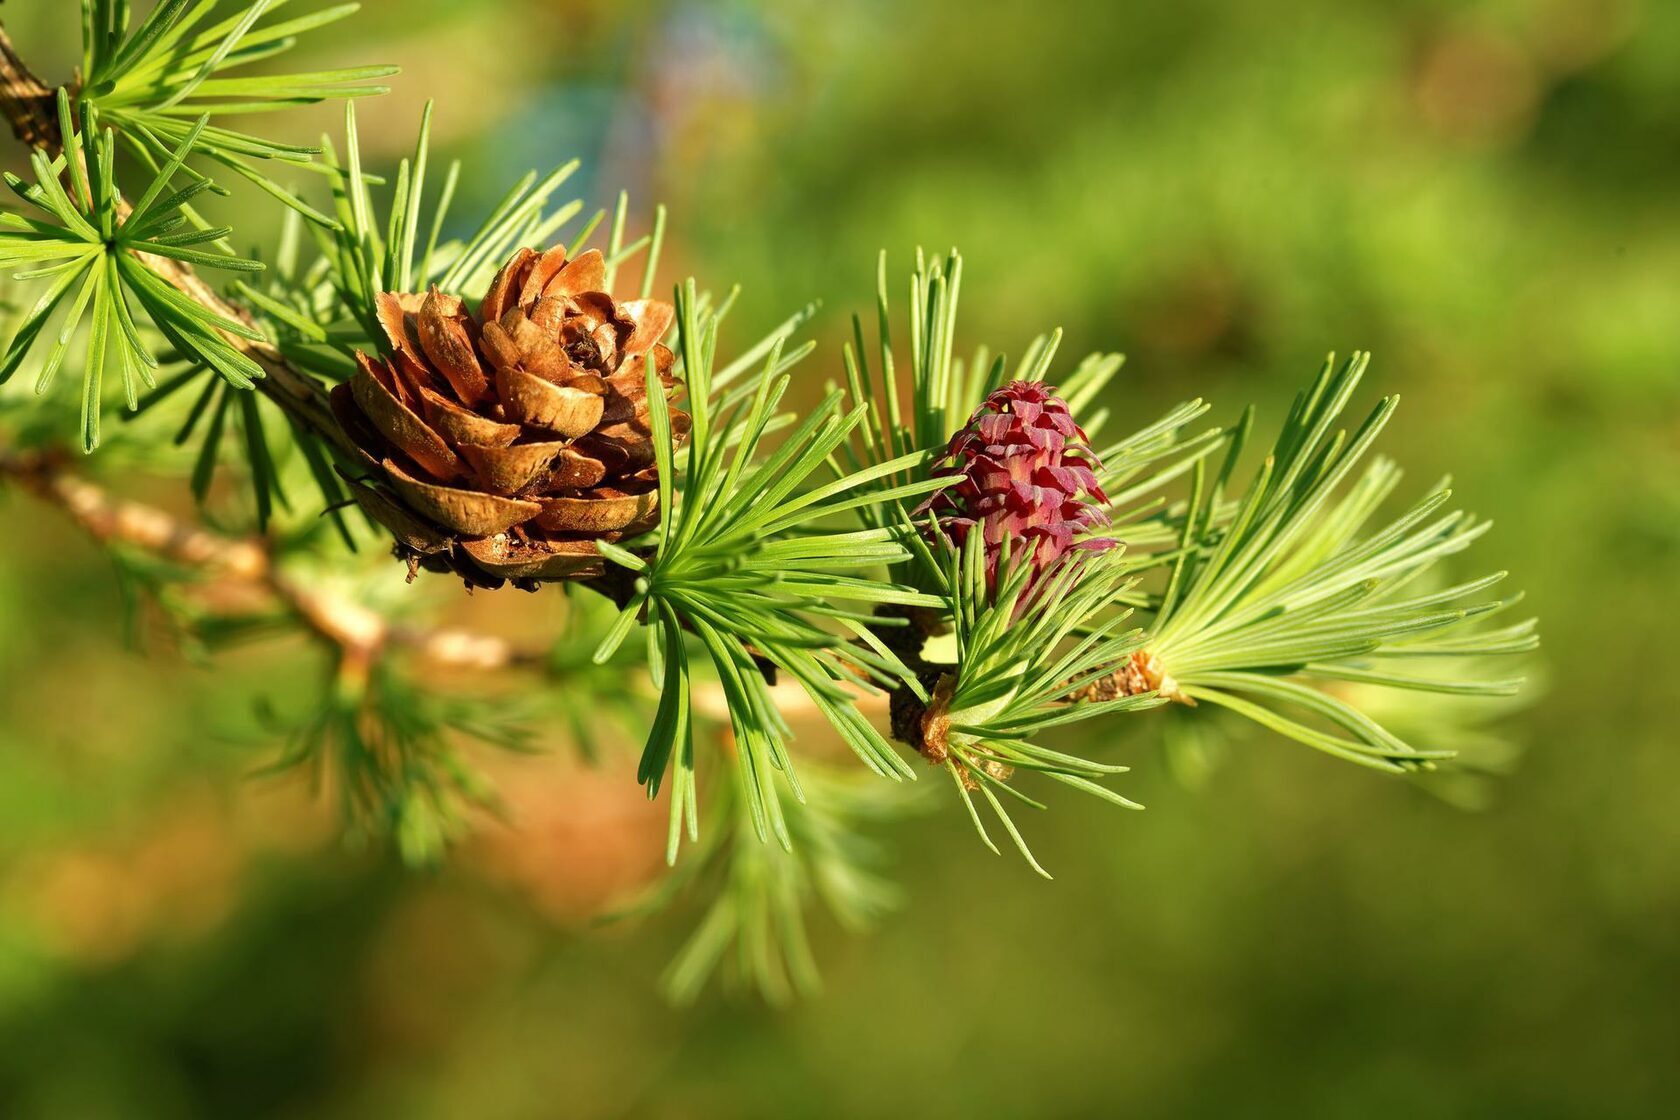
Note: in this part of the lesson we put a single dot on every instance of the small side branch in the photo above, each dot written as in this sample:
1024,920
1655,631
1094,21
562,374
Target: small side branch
26,102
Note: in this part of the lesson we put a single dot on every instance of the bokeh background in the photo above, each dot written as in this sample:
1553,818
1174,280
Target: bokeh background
1484,194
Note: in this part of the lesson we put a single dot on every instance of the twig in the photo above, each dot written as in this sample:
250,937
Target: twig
25,99
352,627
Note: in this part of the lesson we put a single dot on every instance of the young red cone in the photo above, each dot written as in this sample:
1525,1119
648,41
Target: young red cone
1028,476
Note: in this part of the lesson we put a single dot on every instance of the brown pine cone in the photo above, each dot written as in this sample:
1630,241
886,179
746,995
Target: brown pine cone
504,445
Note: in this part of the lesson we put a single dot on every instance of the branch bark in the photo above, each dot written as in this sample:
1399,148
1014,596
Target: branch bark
25,99
355,629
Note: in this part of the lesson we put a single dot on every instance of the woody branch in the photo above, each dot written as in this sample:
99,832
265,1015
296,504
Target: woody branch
247,563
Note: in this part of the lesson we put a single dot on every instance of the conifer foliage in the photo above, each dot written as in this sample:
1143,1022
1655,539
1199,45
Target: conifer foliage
955,566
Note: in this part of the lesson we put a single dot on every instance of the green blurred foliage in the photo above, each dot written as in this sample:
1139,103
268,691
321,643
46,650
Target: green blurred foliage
1481,193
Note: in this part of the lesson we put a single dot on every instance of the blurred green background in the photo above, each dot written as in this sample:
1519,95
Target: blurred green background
1484,194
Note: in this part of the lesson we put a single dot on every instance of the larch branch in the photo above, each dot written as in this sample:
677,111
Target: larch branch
347,624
